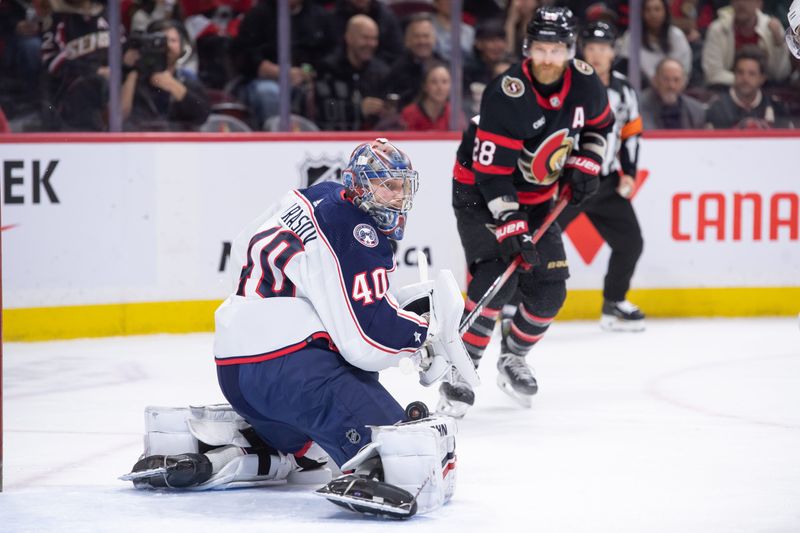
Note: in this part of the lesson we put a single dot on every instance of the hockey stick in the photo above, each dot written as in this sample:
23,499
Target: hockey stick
495,287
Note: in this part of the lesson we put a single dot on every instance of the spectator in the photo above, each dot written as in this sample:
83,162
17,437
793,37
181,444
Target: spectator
76,82
20,46
441,21
519,13
351,82
488,50
664,106
148,11
4,127
405,77
745,105
735,27
390,40
256,55
431,110
171,99
660,39
695,16
213,25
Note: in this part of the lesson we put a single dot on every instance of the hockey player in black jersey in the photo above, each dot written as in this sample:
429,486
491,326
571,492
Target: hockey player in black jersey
610,209
543,122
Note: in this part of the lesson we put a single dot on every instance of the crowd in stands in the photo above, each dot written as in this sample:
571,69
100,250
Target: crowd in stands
212,65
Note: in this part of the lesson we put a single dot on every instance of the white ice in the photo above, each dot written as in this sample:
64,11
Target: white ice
691,426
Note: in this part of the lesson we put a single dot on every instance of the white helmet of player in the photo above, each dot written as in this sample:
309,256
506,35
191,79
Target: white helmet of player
793,31
383,183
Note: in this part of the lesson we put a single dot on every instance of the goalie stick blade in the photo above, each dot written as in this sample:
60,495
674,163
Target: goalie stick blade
361,494
131,476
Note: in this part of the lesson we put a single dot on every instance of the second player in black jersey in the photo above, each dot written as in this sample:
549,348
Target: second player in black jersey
543,123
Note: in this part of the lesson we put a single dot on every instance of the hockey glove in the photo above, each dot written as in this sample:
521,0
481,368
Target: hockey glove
582,173
514,238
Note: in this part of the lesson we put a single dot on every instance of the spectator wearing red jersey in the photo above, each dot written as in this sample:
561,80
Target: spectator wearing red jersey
431,110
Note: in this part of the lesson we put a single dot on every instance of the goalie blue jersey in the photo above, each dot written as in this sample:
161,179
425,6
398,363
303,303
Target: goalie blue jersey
313,267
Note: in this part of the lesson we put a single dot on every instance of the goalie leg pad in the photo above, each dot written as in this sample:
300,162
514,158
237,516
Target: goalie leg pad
417,457
176,430
175,433
420,458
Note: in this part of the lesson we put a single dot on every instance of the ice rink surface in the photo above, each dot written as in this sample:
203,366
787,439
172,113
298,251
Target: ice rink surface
691,426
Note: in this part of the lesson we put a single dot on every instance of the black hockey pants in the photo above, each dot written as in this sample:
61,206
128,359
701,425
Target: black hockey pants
616,221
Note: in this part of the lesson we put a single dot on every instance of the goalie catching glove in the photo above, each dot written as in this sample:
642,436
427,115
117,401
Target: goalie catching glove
440,301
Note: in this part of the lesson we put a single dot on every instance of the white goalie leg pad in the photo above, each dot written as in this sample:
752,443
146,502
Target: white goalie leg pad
443,336
416,456
176,430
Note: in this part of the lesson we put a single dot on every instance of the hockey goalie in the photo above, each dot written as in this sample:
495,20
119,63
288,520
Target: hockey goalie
298,346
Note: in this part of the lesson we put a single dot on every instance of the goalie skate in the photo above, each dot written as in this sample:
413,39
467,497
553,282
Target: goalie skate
362,494
170,471
515,378
456,396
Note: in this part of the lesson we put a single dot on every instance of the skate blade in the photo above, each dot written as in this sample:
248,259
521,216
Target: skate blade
612,323
143,474
361,505
524,400
452,409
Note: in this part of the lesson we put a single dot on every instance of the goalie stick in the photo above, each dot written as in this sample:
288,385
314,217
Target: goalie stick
501,280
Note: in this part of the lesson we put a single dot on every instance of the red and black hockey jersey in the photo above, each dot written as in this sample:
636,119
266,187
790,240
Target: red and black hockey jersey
526,132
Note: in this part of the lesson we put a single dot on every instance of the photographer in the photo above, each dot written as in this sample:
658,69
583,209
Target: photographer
156,94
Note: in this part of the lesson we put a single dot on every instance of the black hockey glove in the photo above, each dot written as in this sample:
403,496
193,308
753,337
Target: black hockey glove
582,173
514,238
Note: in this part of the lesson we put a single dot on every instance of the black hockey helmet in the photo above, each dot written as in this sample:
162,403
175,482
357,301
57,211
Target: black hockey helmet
551,24
598,32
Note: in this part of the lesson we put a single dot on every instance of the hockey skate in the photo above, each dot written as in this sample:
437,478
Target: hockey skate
369,495
515,378
455,396
169,471
621,316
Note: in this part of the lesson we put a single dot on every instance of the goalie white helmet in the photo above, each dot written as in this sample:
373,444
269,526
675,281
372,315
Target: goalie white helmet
793,31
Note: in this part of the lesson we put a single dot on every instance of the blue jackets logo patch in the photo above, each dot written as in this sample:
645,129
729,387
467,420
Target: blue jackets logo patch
366,235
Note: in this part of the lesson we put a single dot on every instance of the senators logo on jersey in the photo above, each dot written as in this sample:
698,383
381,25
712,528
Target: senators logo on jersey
543,167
